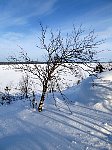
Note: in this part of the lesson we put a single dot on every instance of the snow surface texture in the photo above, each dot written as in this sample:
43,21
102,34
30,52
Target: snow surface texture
93,91
12,78
89,127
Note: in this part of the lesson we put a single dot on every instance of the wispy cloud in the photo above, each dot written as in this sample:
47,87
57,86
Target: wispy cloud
106,34
20,12
11,42
18,21
103,10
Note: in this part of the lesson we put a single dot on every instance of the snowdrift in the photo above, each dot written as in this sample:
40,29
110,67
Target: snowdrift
93,91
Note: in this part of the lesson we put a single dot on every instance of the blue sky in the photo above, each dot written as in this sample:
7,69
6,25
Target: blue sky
19,22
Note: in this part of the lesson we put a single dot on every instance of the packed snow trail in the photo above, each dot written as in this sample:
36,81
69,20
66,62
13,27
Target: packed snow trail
22,128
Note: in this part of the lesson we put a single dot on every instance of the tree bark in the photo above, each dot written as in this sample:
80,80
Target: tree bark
26,92
43,96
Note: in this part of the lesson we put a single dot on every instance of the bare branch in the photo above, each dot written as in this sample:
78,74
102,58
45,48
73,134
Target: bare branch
77,46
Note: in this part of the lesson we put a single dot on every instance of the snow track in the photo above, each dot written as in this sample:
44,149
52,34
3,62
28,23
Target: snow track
54,129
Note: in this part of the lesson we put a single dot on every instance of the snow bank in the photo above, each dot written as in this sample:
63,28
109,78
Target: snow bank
93,91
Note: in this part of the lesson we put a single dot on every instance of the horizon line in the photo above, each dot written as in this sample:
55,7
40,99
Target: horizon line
42,62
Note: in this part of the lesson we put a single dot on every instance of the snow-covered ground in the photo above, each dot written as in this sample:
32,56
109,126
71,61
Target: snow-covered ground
89,127
11,78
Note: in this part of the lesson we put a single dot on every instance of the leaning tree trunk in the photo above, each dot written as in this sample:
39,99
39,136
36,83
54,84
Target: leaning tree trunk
26,92
42,96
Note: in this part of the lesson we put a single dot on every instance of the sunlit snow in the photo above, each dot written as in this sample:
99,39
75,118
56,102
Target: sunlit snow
89,127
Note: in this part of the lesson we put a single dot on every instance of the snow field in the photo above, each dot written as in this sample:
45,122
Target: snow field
89,127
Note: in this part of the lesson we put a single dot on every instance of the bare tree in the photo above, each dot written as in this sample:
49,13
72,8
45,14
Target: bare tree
25,85
61,52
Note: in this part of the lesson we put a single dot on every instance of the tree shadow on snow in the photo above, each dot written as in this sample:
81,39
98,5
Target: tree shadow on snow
81,127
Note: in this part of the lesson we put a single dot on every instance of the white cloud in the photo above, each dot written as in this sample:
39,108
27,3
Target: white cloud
11,42
107,33
19,12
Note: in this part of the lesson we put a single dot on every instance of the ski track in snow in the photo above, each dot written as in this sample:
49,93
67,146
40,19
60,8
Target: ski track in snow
86,128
